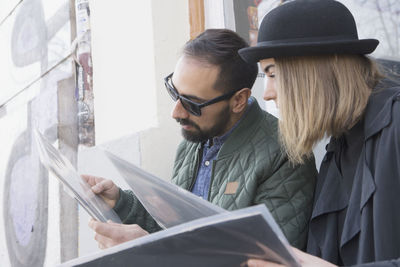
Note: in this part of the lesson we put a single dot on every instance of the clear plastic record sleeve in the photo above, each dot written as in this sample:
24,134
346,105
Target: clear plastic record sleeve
168,204
73,184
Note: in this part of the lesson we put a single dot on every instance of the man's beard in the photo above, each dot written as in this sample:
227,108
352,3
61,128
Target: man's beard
199,135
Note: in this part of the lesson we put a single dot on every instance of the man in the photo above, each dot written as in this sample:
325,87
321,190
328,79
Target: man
231,154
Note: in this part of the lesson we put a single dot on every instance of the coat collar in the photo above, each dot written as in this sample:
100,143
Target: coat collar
332,197
332,194
377,116
378,113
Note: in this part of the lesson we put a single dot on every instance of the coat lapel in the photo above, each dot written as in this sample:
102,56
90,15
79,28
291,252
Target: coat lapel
332,196
362,191
378,115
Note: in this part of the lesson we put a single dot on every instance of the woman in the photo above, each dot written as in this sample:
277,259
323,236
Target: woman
325,85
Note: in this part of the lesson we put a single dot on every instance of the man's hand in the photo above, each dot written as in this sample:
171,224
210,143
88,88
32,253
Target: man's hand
306,260
103,187
110,234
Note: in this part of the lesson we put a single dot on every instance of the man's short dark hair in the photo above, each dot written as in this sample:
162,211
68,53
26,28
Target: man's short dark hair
219,47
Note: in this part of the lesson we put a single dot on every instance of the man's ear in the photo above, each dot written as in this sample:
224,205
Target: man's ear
239,100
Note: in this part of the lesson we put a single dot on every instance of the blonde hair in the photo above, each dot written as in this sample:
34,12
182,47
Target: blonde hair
321,95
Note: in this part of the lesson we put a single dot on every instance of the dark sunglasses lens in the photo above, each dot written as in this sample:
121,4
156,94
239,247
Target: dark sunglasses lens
171,91
190,107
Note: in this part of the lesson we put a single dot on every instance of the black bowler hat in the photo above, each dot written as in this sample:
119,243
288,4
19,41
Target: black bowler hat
308,27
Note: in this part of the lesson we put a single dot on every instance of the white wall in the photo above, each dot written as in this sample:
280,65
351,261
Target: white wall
135,45
123,68
171,32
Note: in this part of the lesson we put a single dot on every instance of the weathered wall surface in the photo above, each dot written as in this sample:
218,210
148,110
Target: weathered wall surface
35,37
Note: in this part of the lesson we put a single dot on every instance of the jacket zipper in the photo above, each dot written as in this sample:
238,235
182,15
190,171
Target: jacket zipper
211,180
199,156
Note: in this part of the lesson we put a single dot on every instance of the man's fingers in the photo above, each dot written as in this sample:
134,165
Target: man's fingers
113,223
98,188
102,186
104,242
261,263
105,229
92,180
88,179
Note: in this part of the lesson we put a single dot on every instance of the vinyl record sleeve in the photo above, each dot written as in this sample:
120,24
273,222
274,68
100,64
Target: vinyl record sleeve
227,239
60,166
167,203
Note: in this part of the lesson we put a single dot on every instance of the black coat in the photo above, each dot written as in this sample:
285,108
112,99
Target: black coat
371,230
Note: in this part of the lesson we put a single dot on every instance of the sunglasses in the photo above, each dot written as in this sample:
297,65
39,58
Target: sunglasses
192,107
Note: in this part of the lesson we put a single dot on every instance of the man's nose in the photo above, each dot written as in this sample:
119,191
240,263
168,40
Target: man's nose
179,112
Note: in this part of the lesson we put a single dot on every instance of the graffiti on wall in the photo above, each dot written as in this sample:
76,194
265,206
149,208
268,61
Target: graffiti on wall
35,40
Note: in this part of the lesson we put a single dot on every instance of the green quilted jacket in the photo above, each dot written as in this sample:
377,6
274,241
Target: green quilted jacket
251,159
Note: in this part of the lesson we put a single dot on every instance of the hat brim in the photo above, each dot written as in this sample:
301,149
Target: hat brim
285,49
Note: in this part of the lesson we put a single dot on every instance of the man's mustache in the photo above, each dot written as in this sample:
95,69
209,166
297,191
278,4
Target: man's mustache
187,122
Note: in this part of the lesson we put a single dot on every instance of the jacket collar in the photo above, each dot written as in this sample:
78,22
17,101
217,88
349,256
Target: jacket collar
378,113
219,140
245,128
